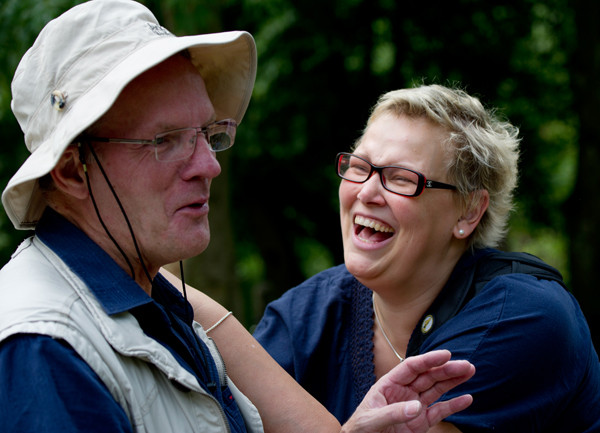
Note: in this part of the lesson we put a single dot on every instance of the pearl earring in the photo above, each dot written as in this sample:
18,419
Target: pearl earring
461,232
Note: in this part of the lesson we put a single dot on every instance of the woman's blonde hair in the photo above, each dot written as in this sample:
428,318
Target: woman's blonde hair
483,150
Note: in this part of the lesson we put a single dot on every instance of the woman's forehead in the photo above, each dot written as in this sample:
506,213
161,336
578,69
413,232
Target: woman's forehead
410,142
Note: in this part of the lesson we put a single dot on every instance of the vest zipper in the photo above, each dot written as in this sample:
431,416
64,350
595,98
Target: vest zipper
222,371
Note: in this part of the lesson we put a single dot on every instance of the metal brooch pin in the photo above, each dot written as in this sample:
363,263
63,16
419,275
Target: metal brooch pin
427,324
58,100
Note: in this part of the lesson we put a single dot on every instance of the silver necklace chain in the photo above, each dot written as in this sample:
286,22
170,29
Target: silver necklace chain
383,331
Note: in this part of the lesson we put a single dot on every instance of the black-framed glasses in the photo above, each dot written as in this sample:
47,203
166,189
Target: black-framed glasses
179,144
399,180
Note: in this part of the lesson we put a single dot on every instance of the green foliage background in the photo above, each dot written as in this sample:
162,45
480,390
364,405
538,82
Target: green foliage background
322,65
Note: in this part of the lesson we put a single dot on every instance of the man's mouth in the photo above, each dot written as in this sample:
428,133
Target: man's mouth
195,206
372,231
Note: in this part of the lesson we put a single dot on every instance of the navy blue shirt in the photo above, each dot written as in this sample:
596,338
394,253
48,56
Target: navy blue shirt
537,370
47,387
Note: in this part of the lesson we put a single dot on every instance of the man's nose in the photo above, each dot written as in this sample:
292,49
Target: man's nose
203,161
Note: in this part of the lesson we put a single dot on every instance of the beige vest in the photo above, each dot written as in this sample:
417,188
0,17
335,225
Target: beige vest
39,294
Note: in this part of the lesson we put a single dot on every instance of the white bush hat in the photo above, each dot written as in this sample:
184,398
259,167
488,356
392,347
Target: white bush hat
79,64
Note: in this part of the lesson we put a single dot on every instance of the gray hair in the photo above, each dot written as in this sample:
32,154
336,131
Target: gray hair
483,150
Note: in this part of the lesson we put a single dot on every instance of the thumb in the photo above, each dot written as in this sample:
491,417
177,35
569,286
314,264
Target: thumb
412,409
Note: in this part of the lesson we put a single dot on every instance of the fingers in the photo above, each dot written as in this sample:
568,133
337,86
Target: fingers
396,414
406,372
437,389
441,410
406,394
433,384
429,376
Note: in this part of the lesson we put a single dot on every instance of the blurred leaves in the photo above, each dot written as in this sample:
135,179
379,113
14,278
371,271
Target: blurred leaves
322,65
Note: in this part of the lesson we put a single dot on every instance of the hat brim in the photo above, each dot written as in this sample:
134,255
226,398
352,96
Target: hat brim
226,61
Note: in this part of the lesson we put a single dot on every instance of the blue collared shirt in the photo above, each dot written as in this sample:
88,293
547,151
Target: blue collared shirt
537,369
45,386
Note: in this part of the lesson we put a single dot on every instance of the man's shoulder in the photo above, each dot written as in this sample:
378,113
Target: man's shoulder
29,280
36,297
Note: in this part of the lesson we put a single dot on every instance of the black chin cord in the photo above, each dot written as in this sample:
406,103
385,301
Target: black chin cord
82,159
182,279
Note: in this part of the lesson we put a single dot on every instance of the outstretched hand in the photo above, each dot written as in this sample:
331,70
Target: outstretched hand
401,401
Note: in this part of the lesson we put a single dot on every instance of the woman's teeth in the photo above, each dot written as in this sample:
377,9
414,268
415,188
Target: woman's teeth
375,225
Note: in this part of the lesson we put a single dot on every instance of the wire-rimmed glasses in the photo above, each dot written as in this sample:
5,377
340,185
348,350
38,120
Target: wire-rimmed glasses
399,180
179,144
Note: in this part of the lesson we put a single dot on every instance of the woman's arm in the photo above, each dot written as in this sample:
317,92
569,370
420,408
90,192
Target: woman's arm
401,400
284,405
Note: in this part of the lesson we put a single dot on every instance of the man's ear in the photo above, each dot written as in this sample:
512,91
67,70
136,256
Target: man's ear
479,202
68,174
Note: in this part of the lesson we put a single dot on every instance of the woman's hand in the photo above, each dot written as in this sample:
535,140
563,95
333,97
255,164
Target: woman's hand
400,401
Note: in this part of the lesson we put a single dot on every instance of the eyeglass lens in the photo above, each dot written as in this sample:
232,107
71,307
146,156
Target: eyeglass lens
180,143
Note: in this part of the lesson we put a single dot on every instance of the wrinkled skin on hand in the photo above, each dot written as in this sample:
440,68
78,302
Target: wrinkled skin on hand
402,400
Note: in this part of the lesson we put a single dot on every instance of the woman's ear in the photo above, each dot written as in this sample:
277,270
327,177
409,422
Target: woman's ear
68,174
479,202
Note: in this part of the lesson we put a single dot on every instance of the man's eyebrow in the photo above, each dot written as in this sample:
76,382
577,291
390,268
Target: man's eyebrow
171,126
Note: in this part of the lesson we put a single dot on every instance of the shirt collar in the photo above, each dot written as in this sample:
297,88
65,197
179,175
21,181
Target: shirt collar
113,287
455,293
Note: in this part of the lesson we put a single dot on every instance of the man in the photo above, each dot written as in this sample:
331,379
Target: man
123,120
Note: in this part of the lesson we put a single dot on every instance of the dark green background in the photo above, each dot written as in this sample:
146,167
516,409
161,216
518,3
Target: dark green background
322,65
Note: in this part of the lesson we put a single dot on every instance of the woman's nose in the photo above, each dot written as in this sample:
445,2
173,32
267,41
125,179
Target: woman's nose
371,190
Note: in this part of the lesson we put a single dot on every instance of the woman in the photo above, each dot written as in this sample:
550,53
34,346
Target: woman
425,196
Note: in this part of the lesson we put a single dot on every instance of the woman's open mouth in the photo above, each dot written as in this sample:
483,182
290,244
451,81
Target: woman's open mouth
371,231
